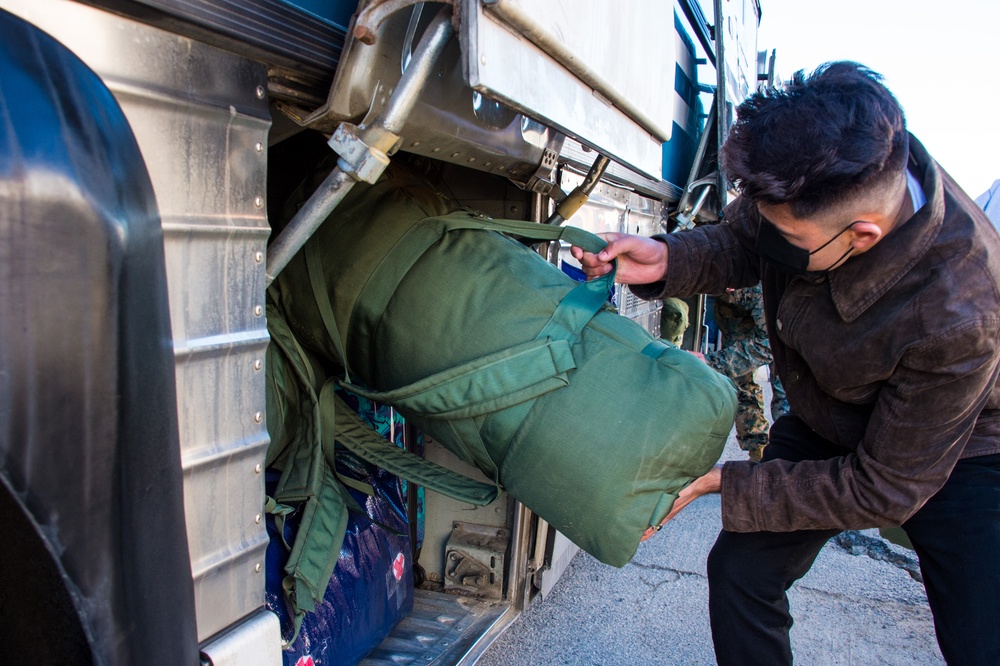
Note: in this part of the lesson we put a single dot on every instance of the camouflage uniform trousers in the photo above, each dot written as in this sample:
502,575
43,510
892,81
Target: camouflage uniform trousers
751,422
779,403
752,426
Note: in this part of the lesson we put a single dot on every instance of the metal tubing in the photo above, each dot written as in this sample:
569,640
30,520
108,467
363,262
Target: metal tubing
391,120
319,206
597,170
404,97
578,197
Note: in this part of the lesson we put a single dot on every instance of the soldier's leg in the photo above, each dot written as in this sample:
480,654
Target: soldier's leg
751,424
749,573
779,404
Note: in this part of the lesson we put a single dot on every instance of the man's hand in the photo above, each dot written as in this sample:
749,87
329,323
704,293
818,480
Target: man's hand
710,483
641,260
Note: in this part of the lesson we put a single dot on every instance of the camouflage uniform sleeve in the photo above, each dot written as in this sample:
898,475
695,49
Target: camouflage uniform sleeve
749,349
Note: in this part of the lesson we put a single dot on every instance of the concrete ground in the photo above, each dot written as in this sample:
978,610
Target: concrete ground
858,605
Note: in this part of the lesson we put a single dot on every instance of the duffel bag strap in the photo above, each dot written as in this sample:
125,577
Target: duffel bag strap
581,304
355,435
316,549
314,266
573,312
300,473
484,385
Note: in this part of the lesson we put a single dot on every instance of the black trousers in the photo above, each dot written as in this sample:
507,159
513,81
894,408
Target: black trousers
956,535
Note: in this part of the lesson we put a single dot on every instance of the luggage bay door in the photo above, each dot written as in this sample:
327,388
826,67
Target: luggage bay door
597,69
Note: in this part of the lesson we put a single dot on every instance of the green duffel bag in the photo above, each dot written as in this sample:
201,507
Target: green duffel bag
577,412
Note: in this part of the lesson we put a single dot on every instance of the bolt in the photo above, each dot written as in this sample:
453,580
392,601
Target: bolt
258,417
259,147
258,364
456,154
257,469
258,257
258,310
256,519
260,92
258,201
256,568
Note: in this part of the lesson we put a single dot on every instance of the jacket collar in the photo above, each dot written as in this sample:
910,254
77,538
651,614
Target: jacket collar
862,280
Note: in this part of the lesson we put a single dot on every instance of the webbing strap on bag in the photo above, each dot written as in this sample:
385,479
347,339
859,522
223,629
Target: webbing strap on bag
502,379
300,471
572,314
487,384
309,475
314,267
316,549
355,435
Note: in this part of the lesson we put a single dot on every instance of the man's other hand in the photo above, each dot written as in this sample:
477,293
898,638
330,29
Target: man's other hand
703,485
641,259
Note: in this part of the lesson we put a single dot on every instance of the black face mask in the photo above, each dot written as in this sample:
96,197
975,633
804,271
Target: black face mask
779,252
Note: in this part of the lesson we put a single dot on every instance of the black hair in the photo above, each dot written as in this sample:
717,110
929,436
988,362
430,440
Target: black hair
823,138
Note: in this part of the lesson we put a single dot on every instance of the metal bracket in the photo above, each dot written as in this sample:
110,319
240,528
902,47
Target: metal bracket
542,182
357,158
474,560
687,214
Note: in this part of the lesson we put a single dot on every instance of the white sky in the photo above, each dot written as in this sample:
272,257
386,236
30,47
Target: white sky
940,58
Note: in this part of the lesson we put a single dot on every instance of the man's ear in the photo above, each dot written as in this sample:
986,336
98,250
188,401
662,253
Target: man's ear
864,235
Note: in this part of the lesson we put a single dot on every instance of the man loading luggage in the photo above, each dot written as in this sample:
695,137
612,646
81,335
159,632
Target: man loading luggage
881,283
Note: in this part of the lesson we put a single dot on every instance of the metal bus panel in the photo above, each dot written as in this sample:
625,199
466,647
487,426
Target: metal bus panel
200,117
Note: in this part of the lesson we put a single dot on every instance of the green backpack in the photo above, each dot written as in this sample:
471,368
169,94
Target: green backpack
576,411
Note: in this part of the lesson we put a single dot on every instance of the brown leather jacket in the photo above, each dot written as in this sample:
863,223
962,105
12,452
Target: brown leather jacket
893,356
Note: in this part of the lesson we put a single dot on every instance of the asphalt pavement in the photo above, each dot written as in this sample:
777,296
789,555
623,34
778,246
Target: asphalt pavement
859,604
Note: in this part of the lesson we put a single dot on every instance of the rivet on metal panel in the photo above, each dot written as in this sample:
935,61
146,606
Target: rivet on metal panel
257,469
258,417
258,201
482,58
258,310
415,143
436,150
256,568
256,519
259,147
456,154
260,92
258,364
258,257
